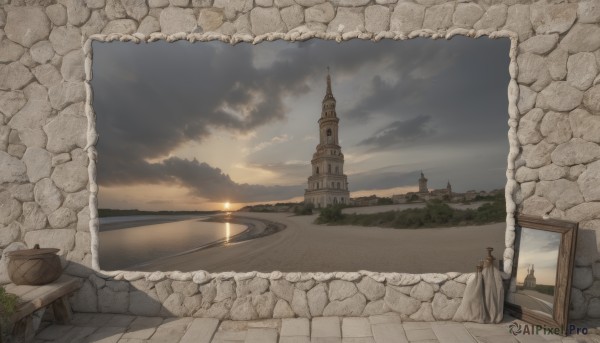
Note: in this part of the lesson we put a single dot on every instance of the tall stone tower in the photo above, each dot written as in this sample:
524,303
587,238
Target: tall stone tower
328,185
423,184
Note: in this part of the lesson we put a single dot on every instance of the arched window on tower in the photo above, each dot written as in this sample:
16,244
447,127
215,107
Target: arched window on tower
329,136
317,170
329,168
337,170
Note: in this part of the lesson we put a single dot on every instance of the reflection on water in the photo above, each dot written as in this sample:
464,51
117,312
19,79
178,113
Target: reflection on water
119,249
227,232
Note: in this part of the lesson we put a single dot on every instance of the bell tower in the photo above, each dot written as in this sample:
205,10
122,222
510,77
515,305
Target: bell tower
328,185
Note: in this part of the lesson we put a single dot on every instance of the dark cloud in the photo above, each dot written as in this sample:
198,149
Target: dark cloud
152,98
460,84
203,181
400,132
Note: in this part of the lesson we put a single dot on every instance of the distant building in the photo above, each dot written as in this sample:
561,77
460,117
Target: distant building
370,200
470,195
423,184
530,281
399,199
328,185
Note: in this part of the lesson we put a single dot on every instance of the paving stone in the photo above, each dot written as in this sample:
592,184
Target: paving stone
229,336
103,319
170,331
500,339
420,334
326,327
416,325
77,334
81,319
485,330
356,327
326,340
54,332
120,320
143,327
261,335
295,327
390,318
389,332
358,340
107,334
200,330
295,339
452,333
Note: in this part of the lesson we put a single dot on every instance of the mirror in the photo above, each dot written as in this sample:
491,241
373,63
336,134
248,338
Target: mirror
540,283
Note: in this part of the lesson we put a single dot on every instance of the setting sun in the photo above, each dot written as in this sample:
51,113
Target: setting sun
226,205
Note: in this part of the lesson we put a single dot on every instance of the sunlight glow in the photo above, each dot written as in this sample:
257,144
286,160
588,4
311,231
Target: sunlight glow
226,205
227,232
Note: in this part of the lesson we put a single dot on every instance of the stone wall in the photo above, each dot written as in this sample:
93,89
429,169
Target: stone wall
246,296
47,126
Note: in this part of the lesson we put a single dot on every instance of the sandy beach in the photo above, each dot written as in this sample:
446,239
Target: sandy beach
307,247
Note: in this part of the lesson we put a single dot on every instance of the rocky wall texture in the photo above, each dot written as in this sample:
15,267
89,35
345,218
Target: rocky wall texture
47,126
247,296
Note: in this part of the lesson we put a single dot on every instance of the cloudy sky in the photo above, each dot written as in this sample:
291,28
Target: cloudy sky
193,125
540,249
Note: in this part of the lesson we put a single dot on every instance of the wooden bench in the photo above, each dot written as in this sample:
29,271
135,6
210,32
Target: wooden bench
33,298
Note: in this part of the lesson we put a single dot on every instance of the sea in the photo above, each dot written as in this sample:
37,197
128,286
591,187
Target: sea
129,245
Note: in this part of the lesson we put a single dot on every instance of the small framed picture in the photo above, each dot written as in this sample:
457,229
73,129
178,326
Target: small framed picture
540,285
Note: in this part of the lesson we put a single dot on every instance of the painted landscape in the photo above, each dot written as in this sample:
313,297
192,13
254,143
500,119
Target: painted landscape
305,156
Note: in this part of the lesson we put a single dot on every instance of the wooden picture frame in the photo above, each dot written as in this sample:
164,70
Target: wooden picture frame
557,317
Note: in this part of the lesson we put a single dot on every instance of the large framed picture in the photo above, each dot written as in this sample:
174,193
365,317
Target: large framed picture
540,285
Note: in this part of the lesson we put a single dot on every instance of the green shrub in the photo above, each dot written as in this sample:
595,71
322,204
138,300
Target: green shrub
8,306
384,201
304,209
436,213
330,214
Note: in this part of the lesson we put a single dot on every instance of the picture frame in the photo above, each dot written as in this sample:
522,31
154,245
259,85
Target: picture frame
530,301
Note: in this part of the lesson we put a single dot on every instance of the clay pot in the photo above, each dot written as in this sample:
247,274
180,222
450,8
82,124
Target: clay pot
34,266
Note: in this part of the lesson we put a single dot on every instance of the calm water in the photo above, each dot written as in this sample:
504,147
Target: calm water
123,248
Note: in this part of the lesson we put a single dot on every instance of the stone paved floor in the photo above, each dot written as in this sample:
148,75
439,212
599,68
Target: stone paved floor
108,328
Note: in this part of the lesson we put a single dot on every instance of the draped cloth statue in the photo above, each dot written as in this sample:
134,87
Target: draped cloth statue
472,306
493,289
483,300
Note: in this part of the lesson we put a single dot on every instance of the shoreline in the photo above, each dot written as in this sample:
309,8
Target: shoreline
128,224
251,232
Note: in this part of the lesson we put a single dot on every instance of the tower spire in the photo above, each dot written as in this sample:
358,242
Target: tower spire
329,93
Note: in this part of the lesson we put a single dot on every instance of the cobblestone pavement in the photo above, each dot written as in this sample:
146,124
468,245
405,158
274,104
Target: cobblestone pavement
113,328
